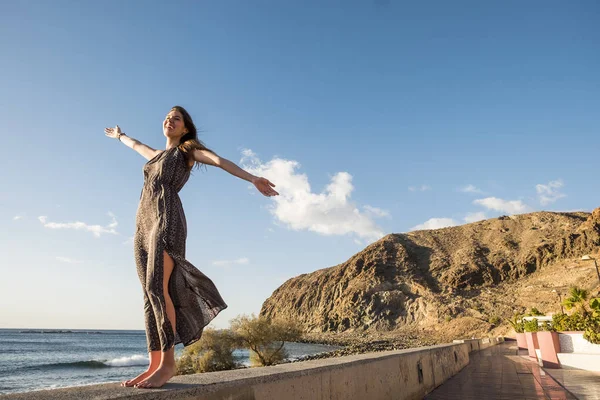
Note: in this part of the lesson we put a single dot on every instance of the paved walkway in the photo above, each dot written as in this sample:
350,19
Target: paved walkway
501,373
581,384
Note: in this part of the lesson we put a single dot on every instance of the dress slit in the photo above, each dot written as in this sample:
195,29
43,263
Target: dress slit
161,227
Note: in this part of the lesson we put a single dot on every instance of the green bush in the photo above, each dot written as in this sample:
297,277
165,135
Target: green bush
494,320
531,326
586,316
564,322
534,312
595,306
213,352
577,299
592,329
592,335
517,323
265,338
547,326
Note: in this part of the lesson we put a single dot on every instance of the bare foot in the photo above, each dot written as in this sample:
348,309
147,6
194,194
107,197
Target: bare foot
140,377
158,378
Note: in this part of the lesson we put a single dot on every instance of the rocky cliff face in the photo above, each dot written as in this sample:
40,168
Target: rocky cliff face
422,276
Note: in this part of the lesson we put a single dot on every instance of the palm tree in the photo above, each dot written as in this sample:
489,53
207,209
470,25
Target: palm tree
577,299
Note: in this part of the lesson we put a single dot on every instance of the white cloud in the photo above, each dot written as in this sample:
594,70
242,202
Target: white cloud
377,212
474,217
421,188
96,230
435,223
239,261
549,193
68,260
17,217
329,213
470,189
113,224
507,206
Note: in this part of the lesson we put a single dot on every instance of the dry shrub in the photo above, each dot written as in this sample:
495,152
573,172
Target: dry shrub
265,337
213,352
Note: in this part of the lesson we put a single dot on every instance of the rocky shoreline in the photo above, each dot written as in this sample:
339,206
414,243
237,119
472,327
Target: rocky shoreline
364,342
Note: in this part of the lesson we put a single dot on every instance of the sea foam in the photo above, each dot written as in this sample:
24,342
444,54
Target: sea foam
128,361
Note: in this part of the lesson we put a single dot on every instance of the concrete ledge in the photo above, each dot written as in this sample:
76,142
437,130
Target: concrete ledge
401,374
473,344
587,362
573,342
480,344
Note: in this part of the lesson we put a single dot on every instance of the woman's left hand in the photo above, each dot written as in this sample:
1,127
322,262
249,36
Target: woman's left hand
265,186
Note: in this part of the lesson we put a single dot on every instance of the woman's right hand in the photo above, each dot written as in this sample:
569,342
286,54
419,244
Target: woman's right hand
113,132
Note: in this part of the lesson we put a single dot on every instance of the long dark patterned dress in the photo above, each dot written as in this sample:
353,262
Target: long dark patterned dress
161,226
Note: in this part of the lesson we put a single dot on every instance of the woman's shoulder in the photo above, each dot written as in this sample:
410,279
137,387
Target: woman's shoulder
187,158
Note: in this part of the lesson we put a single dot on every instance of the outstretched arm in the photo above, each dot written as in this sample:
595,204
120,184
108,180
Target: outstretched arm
146,151
262,184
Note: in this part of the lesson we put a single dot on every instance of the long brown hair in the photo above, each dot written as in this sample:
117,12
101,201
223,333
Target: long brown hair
189,142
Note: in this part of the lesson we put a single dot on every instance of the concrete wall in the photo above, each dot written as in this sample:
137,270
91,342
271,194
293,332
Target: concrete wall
486,342
472,344
588,362
573,342
578,353
402,374
480,344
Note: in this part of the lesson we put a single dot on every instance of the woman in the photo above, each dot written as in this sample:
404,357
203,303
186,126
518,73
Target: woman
179,300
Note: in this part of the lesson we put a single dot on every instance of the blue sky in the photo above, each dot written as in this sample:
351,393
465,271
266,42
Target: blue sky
371,117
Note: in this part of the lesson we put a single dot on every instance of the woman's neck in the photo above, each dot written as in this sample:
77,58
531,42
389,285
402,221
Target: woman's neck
172,143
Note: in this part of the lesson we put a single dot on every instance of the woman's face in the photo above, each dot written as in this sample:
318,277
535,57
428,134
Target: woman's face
173,126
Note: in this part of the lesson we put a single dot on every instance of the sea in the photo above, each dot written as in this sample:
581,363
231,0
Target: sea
39,359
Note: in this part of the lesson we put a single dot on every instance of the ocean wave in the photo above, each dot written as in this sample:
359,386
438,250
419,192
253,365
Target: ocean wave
59,331
32,389
135,360
74,364
128,361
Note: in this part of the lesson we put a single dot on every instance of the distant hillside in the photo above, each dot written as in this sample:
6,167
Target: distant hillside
439,277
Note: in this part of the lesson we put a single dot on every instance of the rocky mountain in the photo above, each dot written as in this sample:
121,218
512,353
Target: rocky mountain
452,279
